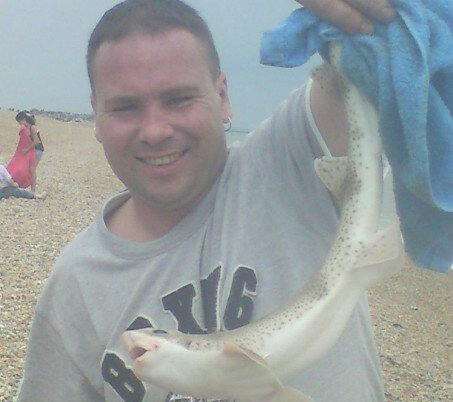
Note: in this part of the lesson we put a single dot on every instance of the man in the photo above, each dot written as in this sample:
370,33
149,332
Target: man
205,238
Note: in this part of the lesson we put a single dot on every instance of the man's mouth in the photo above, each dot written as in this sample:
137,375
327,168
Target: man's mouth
162,160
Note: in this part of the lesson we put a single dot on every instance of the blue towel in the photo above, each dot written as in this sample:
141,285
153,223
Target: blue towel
406,68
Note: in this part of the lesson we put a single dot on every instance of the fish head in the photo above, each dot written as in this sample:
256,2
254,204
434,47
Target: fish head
173,361
154,353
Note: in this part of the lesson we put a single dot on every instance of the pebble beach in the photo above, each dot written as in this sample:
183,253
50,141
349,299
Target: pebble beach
409,311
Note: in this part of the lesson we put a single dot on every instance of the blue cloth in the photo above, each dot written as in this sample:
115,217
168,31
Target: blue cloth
406,68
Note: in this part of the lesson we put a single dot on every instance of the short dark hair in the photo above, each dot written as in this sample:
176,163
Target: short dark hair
150,17
27,116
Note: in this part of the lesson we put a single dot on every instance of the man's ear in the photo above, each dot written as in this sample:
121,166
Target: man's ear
93,106
222,89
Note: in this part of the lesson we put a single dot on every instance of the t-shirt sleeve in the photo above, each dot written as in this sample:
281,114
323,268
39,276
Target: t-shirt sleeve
290,137
64,350
276,163
284,146
50,374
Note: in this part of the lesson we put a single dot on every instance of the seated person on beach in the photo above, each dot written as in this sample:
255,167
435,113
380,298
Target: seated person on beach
9,188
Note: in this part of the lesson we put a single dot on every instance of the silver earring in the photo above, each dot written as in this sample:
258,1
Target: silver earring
227,124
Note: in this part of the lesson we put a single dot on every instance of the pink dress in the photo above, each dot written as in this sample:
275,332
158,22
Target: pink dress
20,166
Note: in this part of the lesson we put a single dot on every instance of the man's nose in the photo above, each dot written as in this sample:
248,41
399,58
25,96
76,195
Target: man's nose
155,126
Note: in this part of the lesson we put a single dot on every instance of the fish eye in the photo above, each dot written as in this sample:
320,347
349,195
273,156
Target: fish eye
160,332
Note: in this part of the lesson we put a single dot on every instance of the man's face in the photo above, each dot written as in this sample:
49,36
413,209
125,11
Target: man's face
159,116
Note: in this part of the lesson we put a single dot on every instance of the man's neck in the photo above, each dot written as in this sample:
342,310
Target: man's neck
131,221
137,220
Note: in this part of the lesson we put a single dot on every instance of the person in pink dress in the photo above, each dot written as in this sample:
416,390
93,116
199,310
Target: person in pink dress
22,166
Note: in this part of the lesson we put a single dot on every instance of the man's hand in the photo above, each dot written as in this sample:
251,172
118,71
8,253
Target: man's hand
352,16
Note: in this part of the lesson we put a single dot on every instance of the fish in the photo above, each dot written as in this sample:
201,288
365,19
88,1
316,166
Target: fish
247,364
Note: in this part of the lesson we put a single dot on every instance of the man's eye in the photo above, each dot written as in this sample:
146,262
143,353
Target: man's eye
124,108
180,101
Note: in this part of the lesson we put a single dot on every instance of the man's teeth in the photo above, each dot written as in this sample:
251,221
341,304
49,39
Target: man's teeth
164,160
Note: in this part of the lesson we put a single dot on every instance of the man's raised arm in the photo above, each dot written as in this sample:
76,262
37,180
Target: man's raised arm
353,16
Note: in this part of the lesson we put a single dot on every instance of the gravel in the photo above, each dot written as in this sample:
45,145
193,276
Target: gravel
409,311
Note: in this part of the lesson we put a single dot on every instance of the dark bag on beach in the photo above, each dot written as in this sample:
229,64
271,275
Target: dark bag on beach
40,146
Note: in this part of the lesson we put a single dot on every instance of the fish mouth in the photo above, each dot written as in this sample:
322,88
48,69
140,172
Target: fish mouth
137,344
137,352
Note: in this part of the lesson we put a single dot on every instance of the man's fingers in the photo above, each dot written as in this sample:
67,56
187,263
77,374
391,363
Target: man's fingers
340,14
379,10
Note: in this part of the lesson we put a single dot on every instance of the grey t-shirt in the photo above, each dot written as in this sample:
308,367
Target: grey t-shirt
242,253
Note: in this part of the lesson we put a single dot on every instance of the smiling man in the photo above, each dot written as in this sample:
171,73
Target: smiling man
159,113
205,237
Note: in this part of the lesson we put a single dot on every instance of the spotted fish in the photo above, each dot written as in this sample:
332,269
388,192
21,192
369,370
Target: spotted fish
247,363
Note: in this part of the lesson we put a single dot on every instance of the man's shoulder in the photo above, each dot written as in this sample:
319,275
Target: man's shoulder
91,241
69,269
73,260
83,244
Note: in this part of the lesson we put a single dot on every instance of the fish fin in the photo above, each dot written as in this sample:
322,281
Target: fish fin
254,359
290,395
383,254
234,348
385,245
332,171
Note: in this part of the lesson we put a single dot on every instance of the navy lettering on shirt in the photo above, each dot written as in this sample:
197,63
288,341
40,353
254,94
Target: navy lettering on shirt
238,312
239,307
210,297
180,303
139,323
179,398
122,379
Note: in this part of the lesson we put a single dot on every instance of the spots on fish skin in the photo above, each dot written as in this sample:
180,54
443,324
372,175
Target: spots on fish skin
341,257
